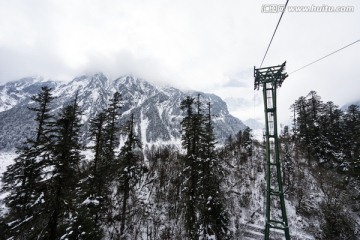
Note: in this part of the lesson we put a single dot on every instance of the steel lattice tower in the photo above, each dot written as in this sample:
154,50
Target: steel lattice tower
270,78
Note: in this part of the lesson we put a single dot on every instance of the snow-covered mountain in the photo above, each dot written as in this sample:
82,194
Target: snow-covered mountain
18,92
156,109
310,190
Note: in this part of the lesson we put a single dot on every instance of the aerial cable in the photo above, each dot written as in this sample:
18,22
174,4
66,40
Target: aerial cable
324,57
282,13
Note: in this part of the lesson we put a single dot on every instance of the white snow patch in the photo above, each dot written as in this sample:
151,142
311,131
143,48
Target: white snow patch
6,158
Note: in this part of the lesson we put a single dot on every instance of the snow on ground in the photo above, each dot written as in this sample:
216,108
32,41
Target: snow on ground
6,158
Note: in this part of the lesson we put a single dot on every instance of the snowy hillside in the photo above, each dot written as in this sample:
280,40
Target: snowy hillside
154,193
156,109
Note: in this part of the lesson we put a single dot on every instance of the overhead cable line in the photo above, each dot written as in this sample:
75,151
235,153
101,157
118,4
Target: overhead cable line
324,56
282,13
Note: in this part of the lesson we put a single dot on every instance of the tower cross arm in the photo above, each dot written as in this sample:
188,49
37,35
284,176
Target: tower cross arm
274,75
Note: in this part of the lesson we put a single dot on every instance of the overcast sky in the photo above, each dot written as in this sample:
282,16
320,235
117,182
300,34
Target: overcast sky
205,45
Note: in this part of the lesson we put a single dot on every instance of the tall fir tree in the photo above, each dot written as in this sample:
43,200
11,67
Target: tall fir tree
65,168
213,216
300,128
95,186
205,212
308,111
352,141
331,134
23,179
129,172
190,141
313,134
112,129
92,188
286,150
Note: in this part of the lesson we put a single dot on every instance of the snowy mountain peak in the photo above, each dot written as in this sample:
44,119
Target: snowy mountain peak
18,92
133,84
156,109
96,80
23,82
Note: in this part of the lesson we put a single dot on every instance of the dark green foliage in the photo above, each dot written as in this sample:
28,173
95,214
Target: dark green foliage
23,179
337,224
112,129
190,141
213,216
187,125
95,185
244,144
43,116
306,126
53,193
328,135
61,185
286,152
205,214
351,129
129,170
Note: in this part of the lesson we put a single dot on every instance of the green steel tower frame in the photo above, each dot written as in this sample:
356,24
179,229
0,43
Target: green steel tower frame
270,78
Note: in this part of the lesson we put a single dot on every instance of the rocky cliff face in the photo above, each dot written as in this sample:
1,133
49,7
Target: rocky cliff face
156,109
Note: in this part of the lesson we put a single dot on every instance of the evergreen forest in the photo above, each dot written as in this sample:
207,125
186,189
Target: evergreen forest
58,187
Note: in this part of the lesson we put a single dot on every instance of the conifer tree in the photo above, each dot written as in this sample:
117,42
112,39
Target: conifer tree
308,110
213,216
244,144
65,160
352,141
96,184
23,179
286,150
111,134
129,170
314,134
186,123
190,141
331,134
93,189
205,213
